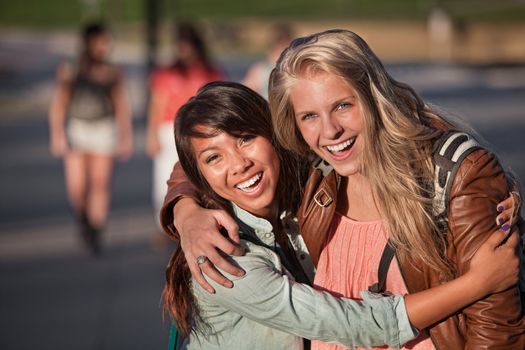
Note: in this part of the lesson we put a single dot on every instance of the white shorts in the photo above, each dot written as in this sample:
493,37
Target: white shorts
93,136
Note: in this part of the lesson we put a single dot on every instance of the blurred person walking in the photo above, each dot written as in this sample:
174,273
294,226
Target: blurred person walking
90,125
171,87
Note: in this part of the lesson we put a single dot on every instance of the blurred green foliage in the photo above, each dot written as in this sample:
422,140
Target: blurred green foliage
72,12
60,13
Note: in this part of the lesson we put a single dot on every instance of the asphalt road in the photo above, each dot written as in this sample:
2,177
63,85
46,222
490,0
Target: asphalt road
53,295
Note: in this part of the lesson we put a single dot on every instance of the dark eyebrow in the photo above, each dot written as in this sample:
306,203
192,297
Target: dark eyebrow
206,150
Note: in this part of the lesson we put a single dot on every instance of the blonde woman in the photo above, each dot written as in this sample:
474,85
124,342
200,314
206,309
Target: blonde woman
331,97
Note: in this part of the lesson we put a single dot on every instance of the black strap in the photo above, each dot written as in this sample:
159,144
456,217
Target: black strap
382,271
286,254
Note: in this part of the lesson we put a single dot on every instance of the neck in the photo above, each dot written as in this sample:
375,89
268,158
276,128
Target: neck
270,213
356,199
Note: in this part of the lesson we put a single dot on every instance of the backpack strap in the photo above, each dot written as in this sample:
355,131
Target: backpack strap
320,164
449,151
382,271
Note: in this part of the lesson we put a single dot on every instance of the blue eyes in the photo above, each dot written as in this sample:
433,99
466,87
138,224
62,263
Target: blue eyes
308,116
343,105
339,107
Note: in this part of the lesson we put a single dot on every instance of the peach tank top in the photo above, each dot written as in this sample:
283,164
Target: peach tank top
348,265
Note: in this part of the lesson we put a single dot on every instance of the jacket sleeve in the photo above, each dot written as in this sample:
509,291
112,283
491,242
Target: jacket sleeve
178,186
269,297
497,321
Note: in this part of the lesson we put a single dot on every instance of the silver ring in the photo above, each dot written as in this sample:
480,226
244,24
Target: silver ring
201,259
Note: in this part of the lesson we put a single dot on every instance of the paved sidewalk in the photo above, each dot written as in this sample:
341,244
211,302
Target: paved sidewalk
54,295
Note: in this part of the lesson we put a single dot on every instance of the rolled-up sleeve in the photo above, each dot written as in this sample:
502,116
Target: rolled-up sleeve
271,298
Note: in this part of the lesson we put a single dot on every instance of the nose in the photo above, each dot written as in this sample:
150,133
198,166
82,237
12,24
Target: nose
239,163
330,127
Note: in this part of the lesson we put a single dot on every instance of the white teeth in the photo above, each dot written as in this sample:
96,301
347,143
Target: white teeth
341,146
249,182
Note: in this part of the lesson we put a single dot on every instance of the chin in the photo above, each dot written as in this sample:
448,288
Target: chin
346,171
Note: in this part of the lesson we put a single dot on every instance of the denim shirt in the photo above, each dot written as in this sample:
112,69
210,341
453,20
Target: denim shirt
267,309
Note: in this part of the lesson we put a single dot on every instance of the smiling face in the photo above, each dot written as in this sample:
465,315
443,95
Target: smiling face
99,46
242,170
329,116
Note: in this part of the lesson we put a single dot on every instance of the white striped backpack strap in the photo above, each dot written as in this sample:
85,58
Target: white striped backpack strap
449,152
320,164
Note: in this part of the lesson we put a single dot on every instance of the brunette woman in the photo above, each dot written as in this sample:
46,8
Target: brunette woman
90,125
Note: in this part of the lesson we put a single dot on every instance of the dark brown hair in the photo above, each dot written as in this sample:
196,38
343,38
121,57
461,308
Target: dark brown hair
239,111
90,32
188,33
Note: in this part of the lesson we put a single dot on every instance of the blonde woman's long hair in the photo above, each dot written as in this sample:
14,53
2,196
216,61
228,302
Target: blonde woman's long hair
399,132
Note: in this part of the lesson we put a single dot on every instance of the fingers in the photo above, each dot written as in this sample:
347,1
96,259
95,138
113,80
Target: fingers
219,261
210,271
517,206
506,204
230,226
505,209
508,209
197,274
513,239
200,236
209,268
497,238
503,220
229,248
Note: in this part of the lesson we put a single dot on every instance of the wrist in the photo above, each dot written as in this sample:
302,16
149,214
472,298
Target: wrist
182,206
58,132
477,285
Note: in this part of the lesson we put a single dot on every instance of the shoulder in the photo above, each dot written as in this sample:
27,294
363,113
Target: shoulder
162,73
459,158
255,258
259,263
479,165
66,71
165,77
113,73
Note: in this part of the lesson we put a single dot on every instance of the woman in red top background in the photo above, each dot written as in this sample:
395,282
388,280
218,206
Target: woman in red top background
171,87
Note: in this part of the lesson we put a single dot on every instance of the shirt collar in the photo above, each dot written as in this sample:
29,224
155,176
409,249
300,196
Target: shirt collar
260,227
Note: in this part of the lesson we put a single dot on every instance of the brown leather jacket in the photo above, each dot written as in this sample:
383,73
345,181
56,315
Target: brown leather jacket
496,322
